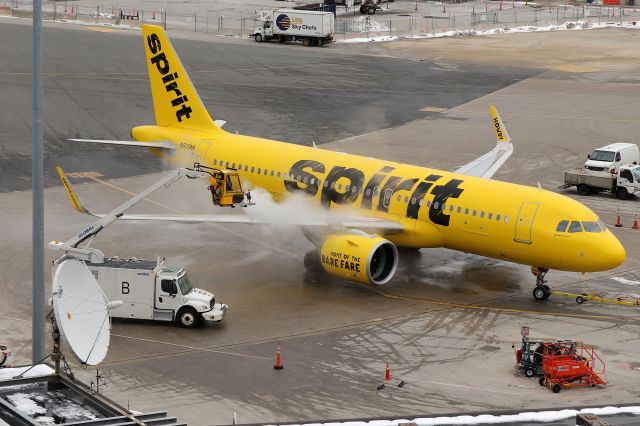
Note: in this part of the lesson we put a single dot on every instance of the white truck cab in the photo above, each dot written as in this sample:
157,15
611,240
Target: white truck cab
150,290
609,158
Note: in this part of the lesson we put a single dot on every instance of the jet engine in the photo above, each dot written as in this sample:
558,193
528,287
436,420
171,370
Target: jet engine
366,259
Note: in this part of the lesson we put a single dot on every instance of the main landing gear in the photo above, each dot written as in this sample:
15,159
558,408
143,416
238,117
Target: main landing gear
542,291
312,261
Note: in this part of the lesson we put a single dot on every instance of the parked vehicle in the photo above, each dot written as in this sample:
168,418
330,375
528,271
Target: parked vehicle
150,290
611,157
311,27
623,184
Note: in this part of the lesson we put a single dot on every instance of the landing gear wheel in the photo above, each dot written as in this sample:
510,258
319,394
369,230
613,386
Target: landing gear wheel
541,381
539,293
529,372
547,291
556,388
312,261
187,318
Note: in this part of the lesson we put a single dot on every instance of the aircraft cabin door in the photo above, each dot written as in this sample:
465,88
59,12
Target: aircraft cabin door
524,222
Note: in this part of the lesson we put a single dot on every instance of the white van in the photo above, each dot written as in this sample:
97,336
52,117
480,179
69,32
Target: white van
609,158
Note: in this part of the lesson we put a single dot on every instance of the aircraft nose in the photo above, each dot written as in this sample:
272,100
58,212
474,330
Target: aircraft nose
612,253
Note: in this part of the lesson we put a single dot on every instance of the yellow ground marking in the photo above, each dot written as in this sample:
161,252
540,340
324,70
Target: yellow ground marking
102,29
433,109
576,69
84,175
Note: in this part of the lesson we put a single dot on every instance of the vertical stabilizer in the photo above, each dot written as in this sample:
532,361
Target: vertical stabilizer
175,100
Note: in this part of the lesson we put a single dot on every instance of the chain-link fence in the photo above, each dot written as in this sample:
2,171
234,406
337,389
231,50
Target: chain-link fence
445,18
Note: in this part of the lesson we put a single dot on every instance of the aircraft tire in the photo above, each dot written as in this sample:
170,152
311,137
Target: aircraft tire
539,293
547,291
312,261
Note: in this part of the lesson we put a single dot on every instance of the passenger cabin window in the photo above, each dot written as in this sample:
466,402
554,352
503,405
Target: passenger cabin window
562,226
575,227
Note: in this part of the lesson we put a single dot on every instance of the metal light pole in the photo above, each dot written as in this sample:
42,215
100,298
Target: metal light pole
37,321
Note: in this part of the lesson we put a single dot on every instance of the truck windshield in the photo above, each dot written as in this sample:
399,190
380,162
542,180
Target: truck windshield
185,284
233,183
636,174
602,156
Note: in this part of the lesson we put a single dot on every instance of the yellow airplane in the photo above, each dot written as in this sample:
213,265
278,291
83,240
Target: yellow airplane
381,204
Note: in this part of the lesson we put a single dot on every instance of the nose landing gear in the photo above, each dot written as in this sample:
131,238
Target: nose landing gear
542,291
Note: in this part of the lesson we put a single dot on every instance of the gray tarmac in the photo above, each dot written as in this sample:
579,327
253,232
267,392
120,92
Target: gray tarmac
445,324
96,87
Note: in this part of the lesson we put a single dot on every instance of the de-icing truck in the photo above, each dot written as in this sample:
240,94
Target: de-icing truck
311,27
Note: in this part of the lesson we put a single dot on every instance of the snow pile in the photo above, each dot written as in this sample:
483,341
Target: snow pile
567,26
38,370
538,417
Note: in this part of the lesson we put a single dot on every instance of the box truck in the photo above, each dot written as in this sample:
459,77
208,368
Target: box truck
311,27
150,290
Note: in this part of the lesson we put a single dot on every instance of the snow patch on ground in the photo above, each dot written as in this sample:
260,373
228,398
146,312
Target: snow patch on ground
541,416
625,281
567,26
38,370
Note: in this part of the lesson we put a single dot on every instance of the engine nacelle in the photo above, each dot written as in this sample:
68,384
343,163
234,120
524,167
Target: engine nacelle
366,259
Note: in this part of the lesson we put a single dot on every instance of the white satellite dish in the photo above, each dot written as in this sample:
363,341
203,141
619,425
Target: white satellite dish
82,311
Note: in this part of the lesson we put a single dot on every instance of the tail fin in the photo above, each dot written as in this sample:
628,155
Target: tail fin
175,100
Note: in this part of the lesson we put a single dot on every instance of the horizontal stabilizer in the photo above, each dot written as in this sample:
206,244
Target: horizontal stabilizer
154,144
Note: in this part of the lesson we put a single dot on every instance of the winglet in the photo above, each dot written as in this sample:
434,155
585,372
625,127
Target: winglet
71,193
501,131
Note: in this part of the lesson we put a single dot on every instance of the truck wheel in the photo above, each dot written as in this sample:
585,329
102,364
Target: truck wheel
584,189
541,381
529,372
556,388
579,299
187,318
363,10
306,42
257,37
371,11
622,193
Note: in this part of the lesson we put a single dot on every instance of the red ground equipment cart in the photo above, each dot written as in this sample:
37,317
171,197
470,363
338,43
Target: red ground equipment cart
572,364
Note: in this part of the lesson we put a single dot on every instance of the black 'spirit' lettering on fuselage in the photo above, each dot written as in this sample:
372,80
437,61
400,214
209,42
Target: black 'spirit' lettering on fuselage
298,174
441,194
169,79
331,194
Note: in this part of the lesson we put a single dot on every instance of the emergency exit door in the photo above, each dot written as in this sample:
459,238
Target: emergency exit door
524,222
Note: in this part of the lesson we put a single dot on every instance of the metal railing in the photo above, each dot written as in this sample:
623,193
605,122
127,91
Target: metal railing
459,18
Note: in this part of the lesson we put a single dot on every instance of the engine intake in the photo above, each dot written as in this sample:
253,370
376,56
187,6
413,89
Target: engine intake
366,259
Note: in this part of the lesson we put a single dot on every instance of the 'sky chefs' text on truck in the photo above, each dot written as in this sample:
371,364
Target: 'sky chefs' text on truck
311,27
150,290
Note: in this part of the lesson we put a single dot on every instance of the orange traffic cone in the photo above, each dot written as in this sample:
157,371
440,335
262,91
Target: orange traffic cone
619,222
278,365
387,373
635,222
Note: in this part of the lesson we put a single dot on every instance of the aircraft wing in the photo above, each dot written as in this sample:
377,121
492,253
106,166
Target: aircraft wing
363,223
154,144
488,164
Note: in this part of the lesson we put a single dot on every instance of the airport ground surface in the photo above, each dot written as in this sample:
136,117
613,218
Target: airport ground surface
445,324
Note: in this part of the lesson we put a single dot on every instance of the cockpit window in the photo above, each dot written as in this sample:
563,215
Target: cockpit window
562,226
591,227
575,226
